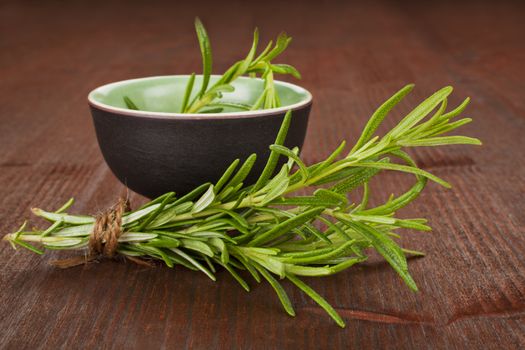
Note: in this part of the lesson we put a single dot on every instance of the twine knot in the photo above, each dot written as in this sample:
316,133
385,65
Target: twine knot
103,240
107,230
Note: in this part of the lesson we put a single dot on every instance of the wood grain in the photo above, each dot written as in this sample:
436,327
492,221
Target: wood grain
352,56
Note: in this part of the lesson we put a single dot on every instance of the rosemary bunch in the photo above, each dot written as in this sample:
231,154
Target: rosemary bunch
267,228
208,98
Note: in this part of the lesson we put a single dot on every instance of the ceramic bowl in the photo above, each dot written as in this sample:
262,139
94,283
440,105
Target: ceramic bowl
153,151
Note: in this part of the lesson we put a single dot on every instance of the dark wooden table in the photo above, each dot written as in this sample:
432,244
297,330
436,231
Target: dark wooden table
352,56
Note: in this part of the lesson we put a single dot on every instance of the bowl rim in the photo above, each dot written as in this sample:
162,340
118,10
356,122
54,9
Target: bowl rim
169,115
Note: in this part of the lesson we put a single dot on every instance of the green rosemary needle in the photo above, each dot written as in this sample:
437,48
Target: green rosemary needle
267,228
211,96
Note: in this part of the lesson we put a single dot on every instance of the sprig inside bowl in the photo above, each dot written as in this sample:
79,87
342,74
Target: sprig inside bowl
208,97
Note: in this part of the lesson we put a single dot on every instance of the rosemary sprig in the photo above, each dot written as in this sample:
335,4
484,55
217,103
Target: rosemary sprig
211,96
267,228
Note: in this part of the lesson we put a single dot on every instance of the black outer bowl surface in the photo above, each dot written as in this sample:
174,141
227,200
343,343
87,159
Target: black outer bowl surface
153,155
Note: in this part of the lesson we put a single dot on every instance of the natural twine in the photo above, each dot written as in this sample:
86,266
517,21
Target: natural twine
103,240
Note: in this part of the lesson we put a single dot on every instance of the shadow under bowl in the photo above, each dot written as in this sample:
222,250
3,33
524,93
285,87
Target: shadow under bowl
152,151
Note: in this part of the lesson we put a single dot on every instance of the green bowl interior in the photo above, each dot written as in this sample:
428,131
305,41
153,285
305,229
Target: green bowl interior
165,93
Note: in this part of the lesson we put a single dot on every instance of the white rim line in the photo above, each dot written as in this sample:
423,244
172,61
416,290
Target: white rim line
228,115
